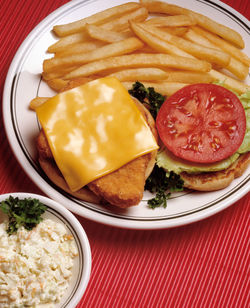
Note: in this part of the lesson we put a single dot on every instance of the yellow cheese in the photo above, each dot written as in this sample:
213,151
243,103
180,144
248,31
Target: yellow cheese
93,130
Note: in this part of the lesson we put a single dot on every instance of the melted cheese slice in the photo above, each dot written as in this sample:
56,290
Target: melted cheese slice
93,130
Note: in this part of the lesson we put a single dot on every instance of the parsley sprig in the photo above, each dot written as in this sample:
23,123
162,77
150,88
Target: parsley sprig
148,96
159,182
26,212
163,185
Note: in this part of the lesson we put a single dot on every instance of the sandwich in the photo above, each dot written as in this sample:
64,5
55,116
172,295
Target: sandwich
206,169
97,143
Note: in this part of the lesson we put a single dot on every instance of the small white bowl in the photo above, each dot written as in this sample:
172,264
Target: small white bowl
82,263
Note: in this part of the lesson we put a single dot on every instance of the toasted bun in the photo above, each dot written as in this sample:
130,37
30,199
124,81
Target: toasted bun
50,168
211,181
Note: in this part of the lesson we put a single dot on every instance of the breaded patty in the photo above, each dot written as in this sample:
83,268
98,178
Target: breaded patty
123,187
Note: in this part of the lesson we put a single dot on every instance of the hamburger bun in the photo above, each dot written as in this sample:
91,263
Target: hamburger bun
211,181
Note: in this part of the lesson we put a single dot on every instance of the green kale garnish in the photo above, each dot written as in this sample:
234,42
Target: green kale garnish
148,96
162,184
26,213
159,182
138,91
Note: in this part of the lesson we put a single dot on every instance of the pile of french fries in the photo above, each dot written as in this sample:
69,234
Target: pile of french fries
159,44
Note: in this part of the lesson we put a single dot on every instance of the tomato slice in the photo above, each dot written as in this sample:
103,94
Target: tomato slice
202,123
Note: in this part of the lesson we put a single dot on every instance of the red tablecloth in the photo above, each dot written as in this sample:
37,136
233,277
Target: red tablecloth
204,264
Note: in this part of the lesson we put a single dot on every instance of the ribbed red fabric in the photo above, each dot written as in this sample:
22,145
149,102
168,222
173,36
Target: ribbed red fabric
205,264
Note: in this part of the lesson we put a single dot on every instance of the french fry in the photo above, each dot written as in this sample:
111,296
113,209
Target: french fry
148,73
202,20
235,67
195,37
163,8
113,49
188,77
79,48
140,60
122,23
238,69
37,101
57,84
63,43
145,49
59,73
60,85
98,18
229,48
77,82
171,21
219,29
165,88
179,31
157,43
209,54
231,83
108,36
156,74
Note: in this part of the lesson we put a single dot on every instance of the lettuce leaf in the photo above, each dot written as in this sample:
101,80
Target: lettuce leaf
245,100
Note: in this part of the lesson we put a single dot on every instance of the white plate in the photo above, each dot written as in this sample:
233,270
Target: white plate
24,82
